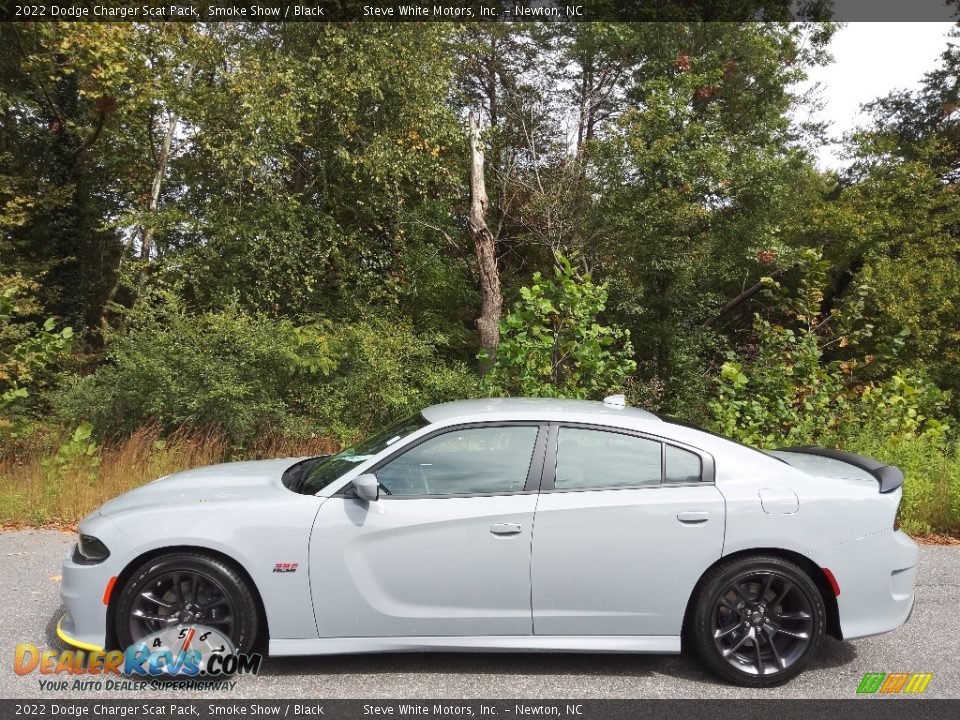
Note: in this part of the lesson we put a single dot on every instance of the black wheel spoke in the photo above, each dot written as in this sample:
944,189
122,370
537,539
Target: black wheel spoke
739,591
723,632
150,618
730,651
766,586
773,649
150,597
732,608
759,654
784,591
799,634
214,603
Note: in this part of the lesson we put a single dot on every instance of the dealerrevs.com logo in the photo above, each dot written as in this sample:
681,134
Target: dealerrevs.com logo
181,657
894,683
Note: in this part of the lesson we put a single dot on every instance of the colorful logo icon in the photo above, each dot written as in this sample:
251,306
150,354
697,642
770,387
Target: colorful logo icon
894,683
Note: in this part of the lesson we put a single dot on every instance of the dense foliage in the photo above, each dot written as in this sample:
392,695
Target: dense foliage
251,230
552,344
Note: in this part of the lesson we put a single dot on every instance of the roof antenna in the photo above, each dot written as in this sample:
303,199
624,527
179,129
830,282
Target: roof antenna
615,401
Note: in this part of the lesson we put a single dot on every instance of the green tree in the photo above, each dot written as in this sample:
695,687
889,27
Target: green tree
28,353
554,345
892,227
54,186
702,184
322,168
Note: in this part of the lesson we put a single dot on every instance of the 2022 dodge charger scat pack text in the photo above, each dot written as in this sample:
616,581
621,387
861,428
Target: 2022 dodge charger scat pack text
509,524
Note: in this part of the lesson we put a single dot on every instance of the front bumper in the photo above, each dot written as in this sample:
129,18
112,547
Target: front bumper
876,575
83,591
67,632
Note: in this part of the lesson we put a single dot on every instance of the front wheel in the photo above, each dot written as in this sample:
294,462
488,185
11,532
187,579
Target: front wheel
757,620
186,589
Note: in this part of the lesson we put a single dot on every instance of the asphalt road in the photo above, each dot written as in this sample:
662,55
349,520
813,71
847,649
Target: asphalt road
929,642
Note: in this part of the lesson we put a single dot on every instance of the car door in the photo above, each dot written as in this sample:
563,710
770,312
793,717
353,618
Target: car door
625,525
445,551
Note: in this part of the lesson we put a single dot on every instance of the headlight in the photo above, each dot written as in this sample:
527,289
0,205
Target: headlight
91,550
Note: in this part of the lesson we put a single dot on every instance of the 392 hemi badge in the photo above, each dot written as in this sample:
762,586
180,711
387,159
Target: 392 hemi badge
285,567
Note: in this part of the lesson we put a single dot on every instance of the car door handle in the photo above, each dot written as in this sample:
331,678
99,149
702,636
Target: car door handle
505,528
693,518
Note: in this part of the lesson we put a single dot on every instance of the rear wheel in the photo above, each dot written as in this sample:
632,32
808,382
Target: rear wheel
186,589
757,620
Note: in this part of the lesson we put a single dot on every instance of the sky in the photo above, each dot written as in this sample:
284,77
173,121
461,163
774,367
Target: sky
871,60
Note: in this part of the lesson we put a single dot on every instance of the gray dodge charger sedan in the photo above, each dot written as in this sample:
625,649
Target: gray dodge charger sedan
508,525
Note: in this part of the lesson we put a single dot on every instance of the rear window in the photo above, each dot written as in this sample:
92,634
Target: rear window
680,466
822,466
598,459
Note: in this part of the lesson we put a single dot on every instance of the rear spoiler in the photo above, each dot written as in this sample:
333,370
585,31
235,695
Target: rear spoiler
890,477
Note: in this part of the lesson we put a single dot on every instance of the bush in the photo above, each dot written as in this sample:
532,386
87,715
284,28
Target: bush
228,371
247,376
898,421
788,393
553,345
29,354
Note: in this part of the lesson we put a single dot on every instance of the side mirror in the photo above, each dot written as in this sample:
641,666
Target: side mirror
367,487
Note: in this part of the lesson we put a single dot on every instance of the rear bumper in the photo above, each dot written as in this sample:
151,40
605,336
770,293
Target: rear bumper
877,576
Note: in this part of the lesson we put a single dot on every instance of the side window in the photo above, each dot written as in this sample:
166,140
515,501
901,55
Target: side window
597,459
680,466
475,460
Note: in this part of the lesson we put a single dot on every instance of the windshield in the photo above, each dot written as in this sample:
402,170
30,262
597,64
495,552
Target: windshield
333,467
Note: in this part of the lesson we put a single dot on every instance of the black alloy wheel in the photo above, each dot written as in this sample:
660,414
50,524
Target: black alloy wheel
758,620
186,589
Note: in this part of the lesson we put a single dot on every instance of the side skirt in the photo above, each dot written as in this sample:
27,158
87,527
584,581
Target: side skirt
496,643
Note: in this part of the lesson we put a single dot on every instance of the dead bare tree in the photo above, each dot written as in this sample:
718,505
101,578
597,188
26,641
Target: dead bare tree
484,244
146,230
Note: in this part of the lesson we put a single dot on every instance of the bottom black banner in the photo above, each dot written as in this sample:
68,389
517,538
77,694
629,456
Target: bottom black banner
865,708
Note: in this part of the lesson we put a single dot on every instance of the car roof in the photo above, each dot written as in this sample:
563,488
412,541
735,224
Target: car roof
530,409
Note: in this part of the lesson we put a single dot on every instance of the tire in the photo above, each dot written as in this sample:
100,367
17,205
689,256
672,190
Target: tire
758,611
207,585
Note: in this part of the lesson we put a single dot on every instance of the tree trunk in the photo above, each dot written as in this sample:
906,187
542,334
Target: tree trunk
146,244
743,297
484,243
146,232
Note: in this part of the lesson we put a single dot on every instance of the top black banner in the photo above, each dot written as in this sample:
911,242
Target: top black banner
483,11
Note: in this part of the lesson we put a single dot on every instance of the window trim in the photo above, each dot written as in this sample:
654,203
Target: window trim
535,471
548,485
